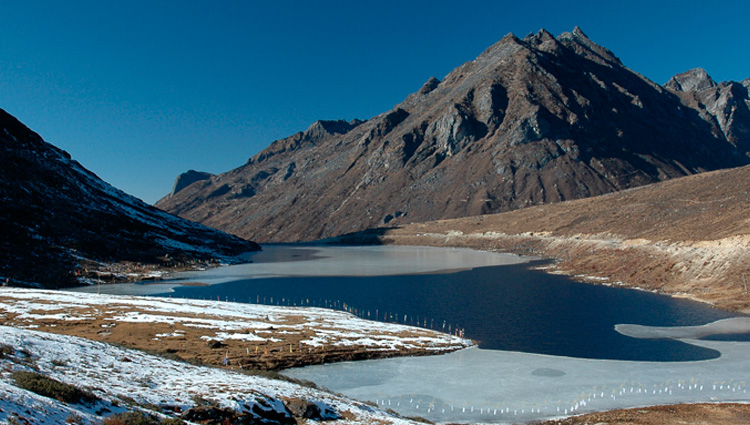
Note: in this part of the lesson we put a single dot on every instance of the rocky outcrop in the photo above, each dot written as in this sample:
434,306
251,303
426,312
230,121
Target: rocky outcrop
187,178
530,121
55,214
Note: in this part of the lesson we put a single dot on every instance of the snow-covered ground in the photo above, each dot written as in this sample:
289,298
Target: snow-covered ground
122,378
251,323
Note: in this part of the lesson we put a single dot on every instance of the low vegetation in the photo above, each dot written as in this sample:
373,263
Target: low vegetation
49,387
5,350
139,418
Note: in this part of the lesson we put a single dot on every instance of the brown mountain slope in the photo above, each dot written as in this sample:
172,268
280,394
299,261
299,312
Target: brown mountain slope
688,236
530,121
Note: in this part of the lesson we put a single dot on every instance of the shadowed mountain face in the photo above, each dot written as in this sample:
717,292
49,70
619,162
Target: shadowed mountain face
530,121
54,213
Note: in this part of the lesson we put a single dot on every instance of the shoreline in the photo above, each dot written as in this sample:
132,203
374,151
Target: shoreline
657,267
729,413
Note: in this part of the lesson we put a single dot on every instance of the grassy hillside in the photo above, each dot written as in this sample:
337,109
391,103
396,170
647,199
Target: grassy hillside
685,237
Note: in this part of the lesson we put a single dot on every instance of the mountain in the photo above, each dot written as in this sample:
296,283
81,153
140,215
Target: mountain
56,216
530,121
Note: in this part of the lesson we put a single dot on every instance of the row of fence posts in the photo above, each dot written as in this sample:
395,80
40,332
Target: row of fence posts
376,314
713,390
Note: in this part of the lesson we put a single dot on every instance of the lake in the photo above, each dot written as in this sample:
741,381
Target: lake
510,307
548,346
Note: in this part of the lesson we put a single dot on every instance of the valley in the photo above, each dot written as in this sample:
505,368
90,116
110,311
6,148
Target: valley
542,148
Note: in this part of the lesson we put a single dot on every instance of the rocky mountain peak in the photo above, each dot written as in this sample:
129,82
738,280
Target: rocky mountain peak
543,41
724,106
508,38
579,42
329,127
319,130
529,121
539,37
696,79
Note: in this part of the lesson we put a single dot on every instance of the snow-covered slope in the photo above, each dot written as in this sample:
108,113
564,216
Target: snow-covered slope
124,379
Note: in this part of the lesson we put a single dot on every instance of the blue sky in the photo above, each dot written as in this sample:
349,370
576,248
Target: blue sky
140,91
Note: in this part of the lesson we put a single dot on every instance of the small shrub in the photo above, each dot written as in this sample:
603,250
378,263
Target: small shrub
14,420
131,418
6,350
74,419
140,418
59,362
48,387
199,400
419,419
172,421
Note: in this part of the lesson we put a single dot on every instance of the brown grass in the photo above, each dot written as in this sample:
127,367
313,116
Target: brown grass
97,324
683,414
685,237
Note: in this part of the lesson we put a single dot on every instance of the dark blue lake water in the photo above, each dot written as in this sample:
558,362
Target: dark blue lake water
503,308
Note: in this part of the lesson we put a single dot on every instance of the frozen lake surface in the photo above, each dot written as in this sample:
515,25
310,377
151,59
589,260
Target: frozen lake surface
477,385
315,260
494,385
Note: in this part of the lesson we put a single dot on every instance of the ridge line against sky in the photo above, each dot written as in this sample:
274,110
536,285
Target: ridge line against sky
141,91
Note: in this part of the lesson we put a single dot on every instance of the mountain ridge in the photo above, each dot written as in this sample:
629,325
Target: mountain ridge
58,219
529,121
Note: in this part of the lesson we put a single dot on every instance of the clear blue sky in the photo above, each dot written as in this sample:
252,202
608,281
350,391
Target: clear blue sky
140,91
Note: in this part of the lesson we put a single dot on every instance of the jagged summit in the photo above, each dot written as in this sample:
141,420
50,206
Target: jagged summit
584,46
529,121
693,80
724,106
332,126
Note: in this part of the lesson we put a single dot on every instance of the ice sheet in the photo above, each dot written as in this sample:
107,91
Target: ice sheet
720,327
328,261
476,385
